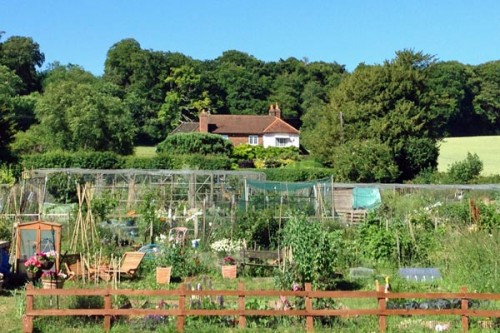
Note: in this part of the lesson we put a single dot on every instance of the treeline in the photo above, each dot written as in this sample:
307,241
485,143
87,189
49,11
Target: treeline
380,122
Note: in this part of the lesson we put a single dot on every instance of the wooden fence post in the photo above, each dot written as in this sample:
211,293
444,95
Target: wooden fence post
465,308
308,303
242,320
182,307
27,318
382,318
107,306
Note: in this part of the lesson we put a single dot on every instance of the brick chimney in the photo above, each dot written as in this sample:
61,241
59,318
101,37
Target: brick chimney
277,111
274,110
204,115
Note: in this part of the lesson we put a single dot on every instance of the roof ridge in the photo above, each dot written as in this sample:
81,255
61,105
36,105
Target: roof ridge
281,121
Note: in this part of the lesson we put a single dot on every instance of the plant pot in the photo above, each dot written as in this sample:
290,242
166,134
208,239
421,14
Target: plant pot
34,276
229,271
52,283
163,275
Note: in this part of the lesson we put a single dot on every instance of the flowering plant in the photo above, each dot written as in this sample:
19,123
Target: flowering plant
229,261
33,264
53,275
225,246
49,256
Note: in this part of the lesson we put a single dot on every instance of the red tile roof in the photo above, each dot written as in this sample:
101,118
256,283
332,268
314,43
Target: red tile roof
240,124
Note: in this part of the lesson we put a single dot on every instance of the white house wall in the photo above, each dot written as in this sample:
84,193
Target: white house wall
269,140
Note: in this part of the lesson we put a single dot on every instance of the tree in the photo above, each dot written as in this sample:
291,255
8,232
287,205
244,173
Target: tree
487,100
10,84
242,78
454,85
390,104
23,56
184,100
142,74
75,115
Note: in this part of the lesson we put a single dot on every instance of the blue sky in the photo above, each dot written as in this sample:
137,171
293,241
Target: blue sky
348,32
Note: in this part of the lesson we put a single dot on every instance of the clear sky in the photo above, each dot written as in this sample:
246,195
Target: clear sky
348,32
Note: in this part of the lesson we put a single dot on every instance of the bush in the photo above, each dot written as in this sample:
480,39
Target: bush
296,175
271,157
62,159
195,143
200,162
465,171
364,162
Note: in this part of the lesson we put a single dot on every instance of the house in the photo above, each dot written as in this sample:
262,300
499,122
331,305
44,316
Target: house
265,130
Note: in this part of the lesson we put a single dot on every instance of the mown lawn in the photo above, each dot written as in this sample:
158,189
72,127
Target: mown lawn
145,151
456,149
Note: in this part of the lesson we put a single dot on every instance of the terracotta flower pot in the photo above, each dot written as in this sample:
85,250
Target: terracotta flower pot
163,275
229,271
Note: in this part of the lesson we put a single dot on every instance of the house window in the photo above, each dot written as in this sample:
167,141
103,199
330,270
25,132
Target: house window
225,137
253,140
281,142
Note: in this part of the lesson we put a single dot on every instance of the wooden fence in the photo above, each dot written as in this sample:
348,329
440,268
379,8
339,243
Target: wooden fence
241,312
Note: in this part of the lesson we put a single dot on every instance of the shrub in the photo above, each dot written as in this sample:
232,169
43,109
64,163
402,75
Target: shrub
465,171
62,159
316,266
296,175
364,162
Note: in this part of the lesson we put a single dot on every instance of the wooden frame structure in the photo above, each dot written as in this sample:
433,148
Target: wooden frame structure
35,237
241,312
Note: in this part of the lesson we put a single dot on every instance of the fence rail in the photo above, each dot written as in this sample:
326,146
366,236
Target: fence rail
241,312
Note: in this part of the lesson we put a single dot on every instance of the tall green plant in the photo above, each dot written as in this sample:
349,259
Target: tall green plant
314,253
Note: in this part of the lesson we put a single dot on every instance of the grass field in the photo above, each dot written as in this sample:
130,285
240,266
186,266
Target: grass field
486,147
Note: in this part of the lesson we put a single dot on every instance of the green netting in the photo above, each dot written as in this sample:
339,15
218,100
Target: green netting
283,186
365,198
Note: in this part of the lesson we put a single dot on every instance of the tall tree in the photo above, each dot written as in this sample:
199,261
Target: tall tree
23,56
487,100
184,100
77,115
10,84
389,103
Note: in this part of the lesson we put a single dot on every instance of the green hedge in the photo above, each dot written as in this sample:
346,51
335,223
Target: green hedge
86,160
296,175
107,160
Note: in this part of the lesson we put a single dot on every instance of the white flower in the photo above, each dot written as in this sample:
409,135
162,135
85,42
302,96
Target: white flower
226,246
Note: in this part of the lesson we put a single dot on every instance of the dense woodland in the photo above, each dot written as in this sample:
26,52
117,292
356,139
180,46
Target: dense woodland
389,115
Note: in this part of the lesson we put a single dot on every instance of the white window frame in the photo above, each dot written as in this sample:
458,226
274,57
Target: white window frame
281,142
253,140
225,136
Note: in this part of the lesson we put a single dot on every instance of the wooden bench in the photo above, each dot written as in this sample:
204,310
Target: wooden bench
261,258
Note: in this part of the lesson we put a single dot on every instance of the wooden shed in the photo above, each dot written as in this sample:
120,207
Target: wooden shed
35,237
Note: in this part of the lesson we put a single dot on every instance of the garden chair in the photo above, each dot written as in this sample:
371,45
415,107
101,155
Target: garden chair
177,235
129,265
